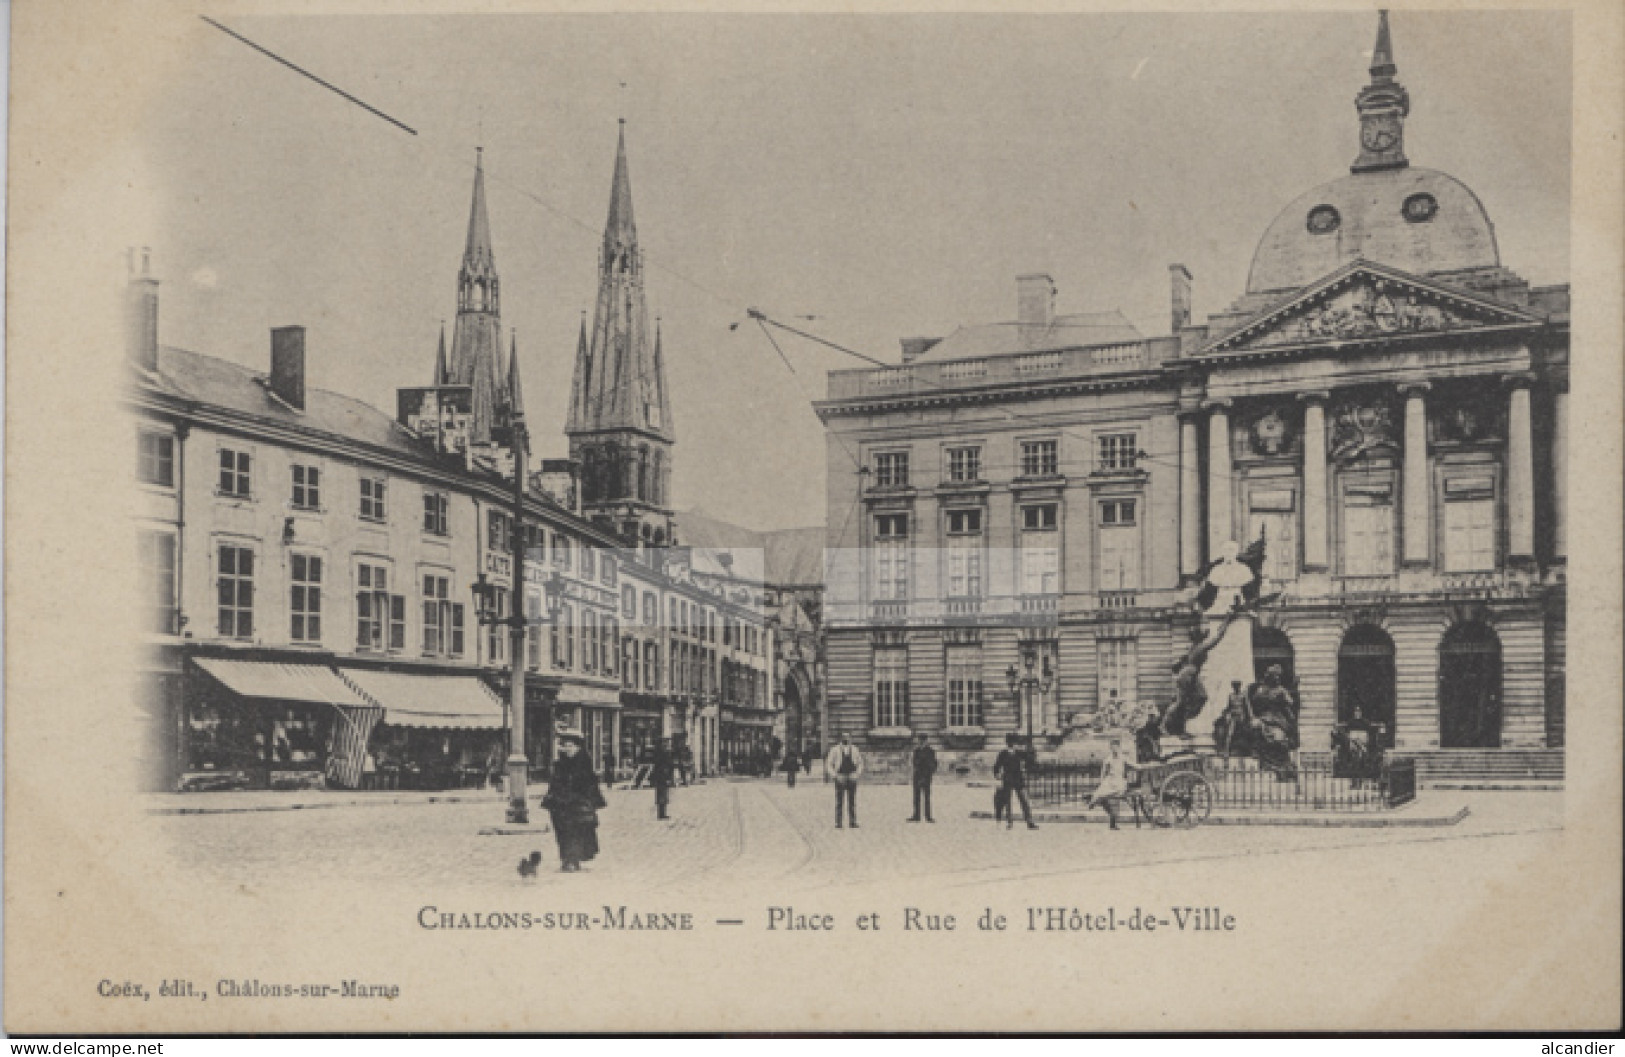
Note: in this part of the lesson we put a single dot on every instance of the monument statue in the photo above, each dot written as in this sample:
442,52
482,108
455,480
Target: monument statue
1229,596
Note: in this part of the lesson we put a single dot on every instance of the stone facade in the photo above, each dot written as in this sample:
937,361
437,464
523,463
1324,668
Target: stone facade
1385,404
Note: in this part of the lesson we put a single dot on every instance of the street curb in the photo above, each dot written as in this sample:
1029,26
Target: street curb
236,809
1350,821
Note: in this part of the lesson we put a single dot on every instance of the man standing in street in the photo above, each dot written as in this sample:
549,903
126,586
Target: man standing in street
1010,768
846,764
925,767
660,776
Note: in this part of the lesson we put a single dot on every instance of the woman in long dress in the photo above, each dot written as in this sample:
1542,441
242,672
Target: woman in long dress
573,799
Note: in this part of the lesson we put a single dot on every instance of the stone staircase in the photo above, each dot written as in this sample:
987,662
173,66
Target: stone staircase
1437,767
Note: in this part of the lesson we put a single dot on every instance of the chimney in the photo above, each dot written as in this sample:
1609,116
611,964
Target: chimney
1035,308
914,348
288,365
141,311
1179,278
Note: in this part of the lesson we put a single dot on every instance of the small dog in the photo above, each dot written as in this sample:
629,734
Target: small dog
527,865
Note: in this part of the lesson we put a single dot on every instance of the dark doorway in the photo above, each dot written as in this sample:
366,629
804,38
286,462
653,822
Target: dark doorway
1271,646
793,725
1470,688
1365,680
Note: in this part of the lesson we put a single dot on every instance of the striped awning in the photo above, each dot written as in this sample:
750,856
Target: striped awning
451,702
275,681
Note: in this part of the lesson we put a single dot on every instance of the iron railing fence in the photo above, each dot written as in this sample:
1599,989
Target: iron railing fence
1318,784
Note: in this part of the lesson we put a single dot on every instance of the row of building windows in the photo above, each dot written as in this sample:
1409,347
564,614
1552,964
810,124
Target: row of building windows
1114,453
1367,526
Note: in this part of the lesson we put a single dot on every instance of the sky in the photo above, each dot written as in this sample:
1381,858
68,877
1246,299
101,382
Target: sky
889,175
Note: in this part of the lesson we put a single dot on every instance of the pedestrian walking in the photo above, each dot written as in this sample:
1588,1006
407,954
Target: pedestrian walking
925,768
1010,768
572,801
1113,787
845,762
609,768
792,764
807,759
661,773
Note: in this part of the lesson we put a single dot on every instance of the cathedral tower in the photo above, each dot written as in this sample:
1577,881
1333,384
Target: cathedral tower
620,426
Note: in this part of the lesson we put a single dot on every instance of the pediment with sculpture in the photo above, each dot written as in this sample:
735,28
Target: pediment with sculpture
1364,302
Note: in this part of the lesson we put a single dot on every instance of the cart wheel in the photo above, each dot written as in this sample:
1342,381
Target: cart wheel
1187,800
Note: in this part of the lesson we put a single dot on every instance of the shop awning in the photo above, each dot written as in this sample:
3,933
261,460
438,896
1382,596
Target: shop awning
274,681
454,702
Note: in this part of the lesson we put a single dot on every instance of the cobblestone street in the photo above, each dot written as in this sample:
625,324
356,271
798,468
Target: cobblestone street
751,832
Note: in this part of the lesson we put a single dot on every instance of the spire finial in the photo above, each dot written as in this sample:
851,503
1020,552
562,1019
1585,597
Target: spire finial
1383,105
1382,56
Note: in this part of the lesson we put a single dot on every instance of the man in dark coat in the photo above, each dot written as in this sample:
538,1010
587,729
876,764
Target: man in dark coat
925,767
573,799
791,764
1010,768
660,776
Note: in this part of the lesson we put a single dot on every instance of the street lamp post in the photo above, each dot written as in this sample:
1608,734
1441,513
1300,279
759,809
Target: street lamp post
1027,680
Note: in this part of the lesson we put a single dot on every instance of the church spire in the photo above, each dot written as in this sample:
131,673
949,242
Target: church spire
516,395
476,338
478,260
440,358
1383,105
620,232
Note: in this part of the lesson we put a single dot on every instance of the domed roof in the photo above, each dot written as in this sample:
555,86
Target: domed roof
1418,220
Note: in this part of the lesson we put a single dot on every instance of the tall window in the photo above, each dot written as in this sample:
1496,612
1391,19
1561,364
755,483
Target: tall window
373,496
156,557
964,686
1040,550
1469,524
434,513
1368,532
1273,517
235,472
307,487
964,465
891,469
891,688
155,458
1119,546
371,606
609,644
437,607
1118,675
891,556
1118,451
235,584
651,610
965,553
1039,458
629,603
499,531
561,550
609,570
533,629
589,634
564,638
496,634
305,597
651,666
588,557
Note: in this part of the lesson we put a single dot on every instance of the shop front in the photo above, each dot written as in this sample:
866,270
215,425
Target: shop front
435,731
259,724
595,712
747,741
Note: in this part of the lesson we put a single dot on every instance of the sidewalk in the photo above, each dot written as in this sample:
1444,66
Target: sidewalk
1423,811
232,802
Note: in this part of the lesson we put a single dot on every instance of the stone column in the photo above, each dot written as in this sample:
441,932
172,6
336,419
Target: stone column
1560,473
1190,499
1314,481
1520,472
1221,527
1416,499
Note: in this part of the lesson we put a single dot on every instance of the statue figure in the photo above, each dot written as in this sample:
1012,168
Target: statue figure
1229,595
1273,724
